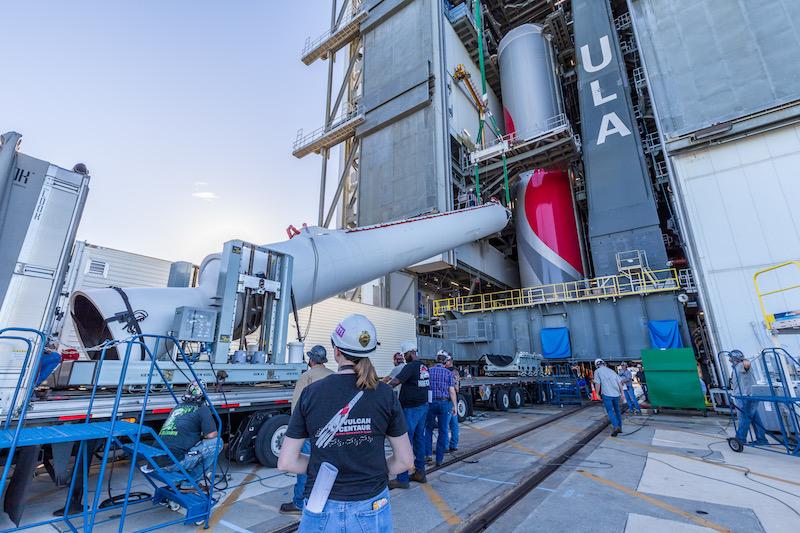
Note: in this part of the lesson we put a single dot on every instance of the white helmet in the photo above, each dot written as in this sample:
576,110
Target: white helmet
355,336
598,363
408,346
444,354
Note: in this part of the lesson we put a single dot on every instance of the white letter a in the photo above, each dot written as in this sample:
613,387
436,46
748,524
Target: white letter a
611,119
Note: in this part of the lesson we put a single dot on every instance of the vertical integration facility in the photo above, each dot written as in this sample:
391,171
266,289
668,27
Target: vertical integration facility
648,149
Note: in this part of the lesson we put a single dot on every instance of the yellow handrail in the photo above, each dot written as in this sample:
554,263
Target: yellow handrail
632,283
769,318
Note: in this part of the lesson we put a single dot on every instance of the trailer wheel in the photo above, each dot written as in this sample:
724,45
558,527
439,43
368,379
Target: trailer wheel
462,408
269,440
516,398
501,399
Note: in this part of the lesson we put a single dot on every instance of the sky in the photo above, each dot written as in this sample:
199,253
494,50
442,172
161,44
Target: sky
184,111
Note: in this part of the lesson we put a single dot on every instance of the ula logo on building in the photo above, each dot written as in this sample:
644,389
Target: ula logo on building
611,123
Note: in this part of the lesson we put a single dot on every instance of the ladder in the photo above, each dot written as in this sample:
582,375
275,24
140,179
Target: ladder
123,434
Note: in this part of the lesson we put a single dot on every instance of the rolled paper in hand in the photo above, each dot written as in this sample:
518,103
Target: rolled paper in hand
322,487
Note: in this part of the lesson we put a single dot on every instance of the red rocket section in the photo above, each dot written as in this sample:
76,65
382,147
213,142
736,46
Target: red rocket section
549,210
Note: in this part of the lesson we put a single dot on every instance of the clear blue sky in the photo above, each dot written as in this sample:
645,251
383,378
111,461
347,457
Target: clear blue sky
184,112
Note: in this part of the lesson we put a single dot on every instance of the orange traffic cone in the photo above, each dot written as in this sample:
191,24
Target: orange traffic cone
595,397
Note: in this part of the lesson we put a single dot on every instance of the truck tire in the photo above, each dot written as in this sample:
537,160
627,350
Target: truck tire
516,398
502,401
269,439
462,407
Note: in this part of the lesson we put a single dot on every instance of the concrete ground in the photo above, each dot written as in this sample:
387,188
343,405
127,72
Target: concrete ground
667,473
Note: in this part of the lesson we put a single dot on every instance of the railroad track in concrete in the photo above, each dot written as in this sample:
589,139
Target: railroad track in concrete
493,510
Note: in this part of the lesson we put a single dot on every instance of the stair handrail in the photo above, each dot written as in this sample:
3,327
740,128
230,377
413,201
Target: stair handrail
141,340
24,409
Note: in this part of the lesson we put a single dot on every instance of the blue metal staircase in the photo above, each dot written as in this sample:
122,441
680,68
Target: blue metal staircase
167,482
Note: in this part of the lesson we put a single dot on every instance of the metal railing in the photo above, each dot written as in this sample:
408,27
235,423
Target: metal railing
149,346
353,12
624,284
770,318
304,139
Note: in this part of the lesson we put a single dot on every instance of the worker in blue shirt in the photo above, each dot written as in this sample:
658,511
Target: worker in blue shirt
627,387
742,382
443,406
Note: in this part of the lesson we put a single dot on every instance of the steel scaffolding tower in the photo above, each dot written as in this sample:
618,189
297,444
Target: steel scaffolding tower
343,114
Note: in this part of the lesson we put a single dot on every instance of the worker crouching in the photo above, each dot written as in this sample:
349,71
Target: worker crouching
348,416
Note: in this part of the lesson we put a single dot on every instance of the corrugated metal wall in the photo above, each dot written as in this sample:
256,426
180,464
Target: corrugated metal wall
393,327
712,61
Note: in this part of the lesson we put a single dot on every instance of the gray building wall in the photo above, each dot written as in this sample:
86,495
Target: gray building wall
402,164
710,61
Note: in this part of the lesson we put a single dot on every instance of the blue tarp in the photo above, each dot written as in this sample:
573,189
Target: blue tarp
664,334
555,343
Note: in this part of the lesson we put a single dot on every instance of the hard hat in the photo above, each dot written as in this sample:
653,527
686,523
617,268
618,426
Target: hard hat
318,354
408,346
444,354
599,362
194,392
736,355
355,335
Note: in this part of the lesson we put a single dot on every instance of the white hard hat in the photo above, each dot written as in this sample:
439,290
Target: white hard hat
598,363
355,335
444,353
408,346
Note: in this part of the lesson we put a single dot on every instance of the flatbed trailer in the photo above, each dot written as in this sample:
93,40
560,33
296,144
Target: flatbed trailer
510,392
254,418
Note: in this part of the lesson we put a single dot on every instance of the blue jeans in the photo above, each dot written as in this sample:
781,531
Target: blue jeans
350,516
747,414
438,417
453,431
415,420
633,403
300,482
611,404
199,459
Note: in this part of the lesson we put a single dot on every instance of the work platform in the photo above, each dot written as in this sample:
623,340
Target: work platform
326,137
333,40
556,142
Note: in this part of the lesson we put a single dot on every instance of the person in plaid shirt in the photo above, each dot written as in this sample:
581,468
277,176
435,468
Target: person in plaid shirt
443,392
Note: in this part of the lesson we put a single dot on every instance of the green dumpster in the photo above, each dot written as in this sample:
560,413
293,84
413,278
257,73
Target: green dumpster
672,379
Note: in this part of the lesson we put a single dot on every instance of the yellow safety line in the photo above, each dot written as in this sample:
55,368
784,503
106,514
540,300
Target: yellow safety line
447,513
232,498
655,501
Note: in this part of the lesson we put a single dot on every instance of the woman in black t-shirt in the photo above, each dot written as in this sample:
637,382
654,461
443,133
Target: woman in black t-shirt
347,416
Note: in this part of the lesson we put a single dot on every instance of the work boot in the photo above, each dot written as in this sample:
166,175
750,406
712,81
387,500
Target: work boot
291,508
395,484
452,449
428,458
418,476
615,432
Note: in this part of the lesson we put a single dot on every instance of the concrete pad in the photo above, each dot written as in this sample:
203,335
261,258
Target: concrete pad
682,439
706,482
638,523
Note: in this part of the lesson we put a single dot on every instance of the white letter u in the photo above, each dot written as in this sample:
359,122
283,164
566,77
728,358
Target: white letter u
586,57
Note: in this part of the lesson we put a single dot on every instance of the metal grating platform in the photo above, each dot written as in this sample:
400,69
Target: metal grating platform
464,24
341,129
31,436
334,39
